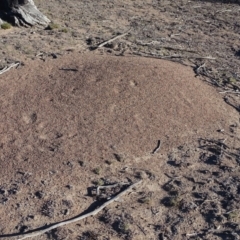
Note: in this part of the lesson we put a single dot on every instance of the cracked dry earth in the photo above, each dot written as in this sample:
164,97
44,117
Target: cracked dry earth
74,119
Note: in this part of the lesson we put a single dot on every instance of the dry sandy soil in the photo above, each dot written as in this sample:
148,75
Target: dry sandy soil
75,116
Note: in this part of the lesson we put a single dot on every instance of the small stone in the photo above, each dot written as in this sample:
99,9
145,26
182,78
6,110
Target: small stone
3,191
4,201
23,229
65,212
118,157
30,217
81,163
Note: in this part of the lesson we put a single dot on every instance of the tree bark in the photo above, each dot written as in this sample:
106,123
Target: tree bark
22,12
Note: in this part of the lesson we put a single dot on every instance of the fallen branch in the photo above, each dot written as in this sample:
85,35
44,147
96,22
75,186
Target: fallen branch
190,57
192,234
152,55
139,42
96,211
178,49
147,43
113,39
223,11
7,68
233,92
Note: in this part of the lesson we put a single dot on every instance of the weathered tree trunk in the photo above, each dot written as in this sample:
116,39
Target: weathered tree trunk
22,12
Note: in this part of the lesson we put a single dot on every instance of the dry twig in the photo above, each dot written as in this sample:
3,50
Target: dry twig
229,91
152,55
157,147
113,39
223,11
208,57
7,68
162,46
192,234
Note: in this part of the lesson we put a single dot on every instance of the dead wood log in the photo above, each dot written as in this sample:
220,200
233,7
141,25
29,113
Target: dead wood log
22,12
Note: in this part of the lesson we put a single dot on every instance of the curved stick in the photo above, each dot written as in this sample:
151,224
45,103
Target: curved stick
96,211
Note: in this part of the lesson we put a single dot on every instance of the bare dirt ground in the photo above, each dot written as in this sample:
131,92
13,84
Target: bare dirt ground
74,117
